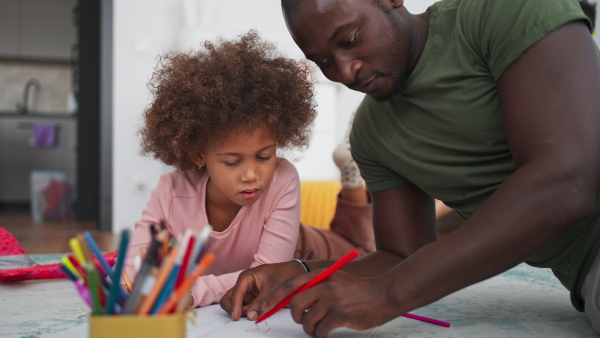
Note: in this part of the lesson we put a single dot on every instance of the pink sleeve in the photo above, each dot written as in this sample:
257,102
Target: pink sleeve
278,240
157,209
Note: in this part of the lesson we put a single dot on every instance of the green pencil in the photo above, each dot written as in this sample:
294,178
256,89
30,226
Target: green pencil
91,270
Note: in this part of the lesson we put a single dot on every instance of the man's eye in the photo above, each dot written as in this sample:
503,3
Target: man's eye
349,41
322,63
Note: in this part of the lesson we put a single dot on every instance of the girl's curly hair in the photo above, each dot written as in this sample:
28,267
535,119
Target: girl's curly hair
201,97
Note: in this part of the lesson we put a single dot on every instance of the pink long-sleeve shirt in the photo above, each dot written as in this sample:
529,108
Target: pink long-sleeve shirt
264,232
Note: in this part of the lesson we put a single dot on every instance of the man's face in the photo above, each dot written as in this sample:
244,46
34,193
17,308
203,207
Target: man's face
354,42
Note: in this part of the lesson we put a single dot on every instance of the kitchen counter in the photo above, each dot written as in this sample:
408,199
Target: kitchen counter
33,114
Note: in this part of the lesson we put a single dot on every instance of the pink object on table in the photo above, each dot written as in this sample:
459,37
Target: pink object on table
9,246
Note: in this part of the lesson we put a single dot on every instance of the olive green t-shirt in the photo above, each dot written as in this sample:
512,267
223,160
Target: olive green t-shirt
444,133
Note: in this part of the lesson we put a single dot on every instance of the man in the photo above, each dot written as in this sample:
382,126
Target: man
490,106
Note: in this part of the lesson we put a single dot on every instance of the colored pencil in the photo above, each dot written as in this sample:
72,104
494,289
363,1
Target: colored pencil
127,281
163,274
318,279
427,320
149,270
76,247
112,295
166,291
67,263
172,279
187,284
96,251
79,268
96,308
69,273
186,260
199,246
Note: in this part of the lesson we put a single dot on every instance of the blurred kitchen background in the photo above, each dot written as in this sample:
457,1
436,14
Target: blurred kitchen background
73,78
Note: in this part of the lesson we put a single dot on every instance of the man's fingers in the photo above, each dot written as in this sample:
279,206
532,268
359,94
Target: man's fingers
238,293
282,291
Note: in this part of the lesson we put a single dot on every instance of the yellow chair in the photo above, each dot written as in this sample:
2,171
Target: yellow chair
318,202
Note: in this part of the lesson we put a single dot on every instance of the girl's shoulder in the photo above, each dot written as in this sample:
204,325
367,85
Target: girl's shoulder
186,183
284,170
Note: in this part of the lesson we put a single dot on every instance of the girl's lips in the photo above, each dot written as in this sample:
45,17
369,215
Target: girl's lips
249,194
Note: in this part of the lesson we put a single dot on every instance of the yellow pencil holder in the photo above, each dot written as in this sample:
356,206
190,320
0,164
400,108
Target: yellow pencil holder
169,326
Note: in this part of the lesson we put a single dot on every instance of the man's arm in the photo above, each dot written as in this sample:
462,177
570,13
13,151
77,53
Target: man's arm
404,221
552,117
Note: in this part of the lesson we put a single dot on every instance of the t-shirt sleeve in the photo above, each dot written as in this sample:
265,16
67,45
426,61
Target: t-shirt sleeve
363,141
281,224
501,30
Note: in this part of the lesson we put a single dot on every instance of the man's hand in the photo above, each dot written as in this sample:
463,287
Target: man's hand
253,285
343,299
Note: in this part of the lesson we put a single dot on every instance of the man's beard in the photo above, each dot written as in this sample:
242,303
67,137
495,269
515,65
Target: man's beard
398,86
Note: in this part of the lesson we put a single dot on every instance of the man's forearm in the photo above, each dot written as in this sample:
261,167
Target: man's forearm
372,264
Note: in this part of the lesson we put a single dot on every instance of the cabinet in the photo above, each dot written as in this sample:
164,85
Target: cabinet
18,157
37,29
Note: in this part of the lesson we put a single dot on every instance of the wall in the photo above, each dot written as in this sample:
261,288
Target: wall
143,29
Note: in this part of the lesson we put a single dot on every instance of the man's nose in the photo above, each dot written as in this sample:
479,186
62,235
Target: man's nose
347,68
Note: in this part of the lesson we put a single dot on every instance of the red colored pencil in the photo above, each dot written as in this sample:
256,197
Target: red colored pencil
186,260
318,279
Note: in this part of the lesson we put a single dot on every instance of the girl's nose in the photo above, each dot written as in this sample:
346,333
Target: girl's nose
250,174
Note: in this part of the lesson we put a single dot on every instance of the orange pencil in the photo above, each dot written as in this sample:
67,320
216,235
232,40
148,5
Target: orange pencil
187,283
128,283
166,268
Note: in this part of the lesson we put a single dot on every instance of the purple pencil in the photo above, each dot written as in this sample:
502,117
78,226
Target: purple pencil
427,320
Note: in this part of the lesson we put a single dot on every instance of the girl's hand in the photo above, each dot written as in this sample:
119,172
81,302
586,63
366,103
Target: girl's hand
189,300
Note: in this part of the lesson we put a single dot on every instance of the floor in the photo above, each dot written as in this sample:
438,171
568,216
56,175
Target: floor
522,302
52,236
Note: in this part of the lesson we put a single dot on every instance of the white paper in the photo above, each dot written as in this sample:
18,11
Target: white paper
213,322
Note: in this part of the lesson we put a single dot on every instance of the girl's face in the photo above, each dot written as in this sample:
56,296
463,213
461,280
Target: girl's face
240,167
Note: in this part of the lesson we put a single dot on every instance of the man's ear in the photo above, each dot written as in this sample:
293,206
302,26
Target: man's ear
397,3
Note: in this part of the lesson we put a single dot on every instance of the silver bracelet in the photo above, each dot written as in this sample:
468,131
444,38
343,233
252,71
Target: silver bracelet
304,266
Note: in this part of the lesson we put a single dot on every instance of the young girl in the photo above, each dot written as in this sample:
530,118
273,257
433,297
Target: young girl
220,116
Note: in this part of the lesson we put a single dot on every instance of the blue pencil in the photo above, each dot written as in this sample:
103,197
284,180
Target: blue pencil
166,291
96,251
116,274
69,273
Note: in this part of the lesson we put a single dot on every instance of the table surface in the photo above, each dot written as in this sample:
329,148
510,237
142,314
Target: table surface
521,302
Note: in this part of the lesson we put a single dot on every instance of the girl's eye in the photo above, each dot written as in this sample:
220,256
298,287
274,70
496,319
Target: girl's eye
264,158
230,164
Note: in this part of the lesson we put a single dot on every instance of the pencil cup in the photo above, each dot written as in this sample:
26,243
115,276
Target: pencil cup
168,326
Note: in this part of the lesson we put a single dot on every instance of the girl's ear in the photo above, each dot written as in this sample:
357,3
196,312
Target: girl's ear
198,160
